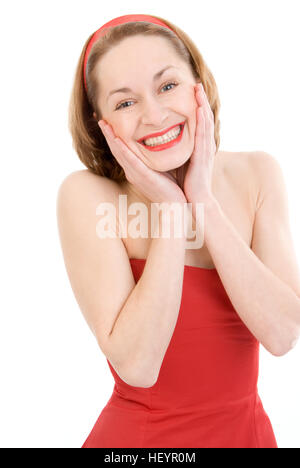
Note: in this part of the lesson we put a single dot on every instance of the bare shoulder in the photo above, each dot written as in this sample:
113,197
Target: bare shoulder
82,192
238,183
88,184
235,170
235,163
251,171
263,164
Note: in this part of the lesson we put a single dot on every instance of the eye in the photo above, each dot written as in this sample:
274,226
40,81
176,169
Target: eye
120,106
169,84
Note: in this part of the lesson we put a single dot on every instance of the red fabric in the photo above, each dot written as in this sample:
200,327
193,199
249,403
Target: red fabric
206,393
115,22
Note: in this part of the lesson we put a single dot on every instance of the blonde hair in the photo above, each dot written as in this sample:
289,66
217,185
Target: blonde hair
88,140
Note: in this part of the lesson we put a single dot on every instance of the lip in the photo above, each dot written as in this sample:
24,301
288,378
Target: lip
170,144
153,135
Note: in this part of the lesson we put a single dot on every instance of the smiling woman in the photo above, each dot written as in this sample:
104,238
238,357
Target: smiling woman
181,339
111,71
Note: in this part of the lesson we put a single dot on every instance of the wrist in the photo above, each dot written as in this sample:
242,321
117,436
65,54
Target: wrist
171,218
208,202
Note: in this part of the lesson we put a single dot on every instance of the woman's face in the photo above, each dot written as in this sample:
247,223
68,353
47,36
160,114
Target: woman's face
150,104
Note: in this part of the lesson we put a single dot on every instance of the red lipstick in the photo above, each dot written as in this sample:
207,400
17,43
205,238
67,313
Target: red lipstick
153,135
163,145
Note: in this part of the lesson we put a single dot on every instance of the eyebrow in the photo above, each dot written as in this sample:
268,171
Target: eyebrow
128,90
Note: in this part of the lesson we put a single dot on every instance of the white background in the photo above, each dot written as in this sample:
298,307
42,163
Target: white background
54,378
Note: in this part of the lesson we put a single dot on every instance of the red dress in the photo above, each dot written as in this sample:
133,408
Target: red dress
206,392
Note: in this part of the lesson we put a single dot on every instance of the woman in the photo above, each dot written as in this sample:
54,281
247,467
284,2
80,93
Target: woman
180,327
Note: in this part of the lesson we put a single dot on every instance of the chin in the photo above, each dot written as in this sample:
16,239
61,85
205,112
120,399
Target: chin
181,163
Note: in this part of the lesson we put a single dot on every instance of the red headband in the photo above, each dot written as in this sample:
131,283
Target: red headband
115,22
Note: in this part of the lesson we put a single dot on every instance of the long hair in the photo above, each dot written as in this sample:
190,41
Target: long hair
88,140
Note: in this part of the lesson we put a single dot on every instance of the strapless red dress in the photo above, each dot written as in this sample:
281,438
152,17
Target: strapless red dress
206,392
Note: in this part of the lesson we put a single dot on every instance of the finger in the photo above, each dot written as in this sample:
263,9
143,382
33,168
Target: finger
209,125
208,108
209,135
210,138
115,142
200,125
130,162
110,141
206,134
208,120
110,137
204,102
198,95
200,136
114,147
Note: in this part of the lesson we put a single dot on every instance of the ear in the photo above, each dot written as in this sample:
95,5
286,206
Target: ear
94,115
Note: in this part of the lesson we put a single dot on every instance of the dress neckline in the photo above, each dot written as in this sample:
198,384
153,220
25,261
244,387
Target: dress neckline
185,266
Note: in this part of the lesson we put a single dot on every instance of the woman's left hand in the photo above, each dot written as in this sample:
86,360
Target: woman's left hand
198,176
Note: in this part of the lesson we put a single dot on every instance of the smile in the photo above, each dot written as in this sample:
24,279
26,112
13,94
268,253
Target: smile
165,141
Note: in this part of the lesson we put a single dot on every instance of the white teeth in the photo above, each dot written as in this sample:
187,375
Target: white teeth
171,135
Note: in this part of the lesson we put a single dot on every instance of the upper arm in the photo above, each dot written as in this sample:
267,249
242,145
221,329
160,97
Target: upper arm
98,269
272,239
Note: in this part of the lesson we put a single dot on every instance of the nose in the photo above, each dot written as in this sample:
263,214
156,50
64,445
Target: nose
154,113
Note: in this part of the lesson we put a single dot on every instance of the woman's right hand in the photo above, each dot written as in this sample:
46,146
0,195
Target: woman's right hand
158,187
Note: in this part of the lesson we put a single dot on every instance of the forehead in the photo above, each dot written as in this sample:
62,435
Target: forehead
145,55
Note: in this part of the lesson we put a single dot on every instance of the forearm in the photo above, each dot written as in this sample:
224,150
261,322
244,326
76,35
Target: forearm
145,325
268,307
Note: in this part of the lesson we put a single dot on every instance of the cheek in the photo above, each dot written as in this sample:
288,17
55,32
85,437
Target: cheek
188,108
122,130
186,102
